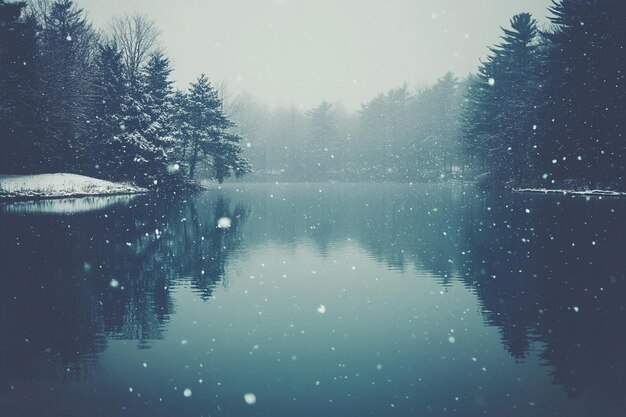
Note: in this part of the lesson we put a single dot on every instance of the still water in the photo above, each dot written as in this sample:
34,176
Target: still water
318,300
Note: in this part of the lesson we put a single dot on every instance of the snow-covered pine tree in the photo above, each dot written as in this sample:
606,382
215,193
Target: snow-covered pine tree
159,106
146,150
67,44
138,158
206,132
110,88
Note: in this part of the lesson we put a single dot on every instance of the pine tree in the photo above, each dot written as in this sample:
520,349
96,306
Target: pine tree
401,164
144,151
158,94
373,136
444,135
110,87
157,80
138,159
205,128
18,89
159,106
322,147
584,124
502,102
67,42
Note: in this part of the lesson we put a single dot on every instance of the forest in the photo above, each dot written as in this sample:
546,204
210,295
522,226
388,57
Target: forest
102,104
544,109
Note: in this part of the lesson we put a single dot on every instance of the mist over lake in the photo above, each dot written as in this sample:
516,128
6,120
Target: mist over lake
312,208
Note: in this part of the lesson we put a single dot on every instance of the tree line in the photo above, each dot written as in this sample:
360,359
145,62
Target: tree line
400,135
545,109
548,108
103,104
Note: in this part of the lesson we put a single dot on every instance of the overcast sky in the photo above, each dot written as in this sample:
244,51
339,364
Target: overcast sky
304,51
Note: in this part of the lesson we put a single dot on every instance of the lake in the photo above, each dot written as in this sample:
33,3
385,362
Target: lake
314,300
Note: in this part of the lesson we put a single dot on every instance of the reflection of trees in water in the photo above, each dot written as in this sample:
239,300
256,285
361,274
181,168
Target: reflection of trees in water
65,206
58,306
528,270
204,248
165,248
555,275
501,268
51,322
398,227
414,227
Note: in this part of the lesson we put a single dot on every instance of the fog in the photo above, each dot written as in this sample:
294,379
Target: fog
312,208
297,52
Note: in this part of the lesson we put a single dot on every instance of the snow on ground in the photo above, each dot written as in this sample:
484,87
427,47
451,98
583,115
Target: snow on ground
598,193
60,185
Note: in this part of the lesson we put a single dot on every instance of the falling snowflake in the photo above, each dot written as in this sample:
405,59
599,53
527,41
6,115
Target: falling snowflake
224,223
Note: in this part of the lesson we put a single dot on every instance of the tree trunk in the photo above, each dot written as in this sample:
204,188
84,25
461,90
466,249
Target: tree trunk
194,159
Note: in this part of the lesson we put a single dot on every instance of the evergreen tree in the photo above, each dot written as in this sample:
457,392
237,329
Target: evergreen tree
372,133
401,165
158,94
145,149
443,123
18,93
138,158
501,115
322,148
158,102
68,43
584,125
157,80
207,130
110,88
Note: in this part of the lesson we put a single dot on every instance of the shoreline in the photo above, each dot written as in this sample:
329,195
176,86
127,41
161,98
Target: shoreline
582,193
61,185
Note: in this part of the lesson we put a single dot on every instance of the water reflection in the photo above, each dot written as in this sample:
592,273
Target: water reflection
66,206
547,271
552,270
72,283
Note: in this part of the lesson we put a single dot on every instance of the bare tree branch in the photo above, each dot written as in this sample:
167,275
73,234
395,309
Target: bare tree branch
137,37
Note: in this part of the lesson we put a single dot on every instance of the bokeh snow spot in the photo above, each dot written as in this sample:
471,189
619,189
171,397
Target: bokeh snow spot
223,223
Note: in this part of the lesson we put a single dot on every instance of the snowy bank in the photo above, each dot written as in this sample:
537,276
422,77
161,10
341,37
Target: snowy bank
61,185
594,193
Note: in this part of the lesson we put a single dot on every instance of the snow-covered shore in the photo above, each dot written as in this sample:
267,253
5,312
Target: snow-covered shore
591,193
60,185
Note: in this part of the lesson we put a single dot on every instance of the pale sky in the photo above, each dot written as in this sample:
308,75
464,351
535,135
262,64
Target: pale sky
301,52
